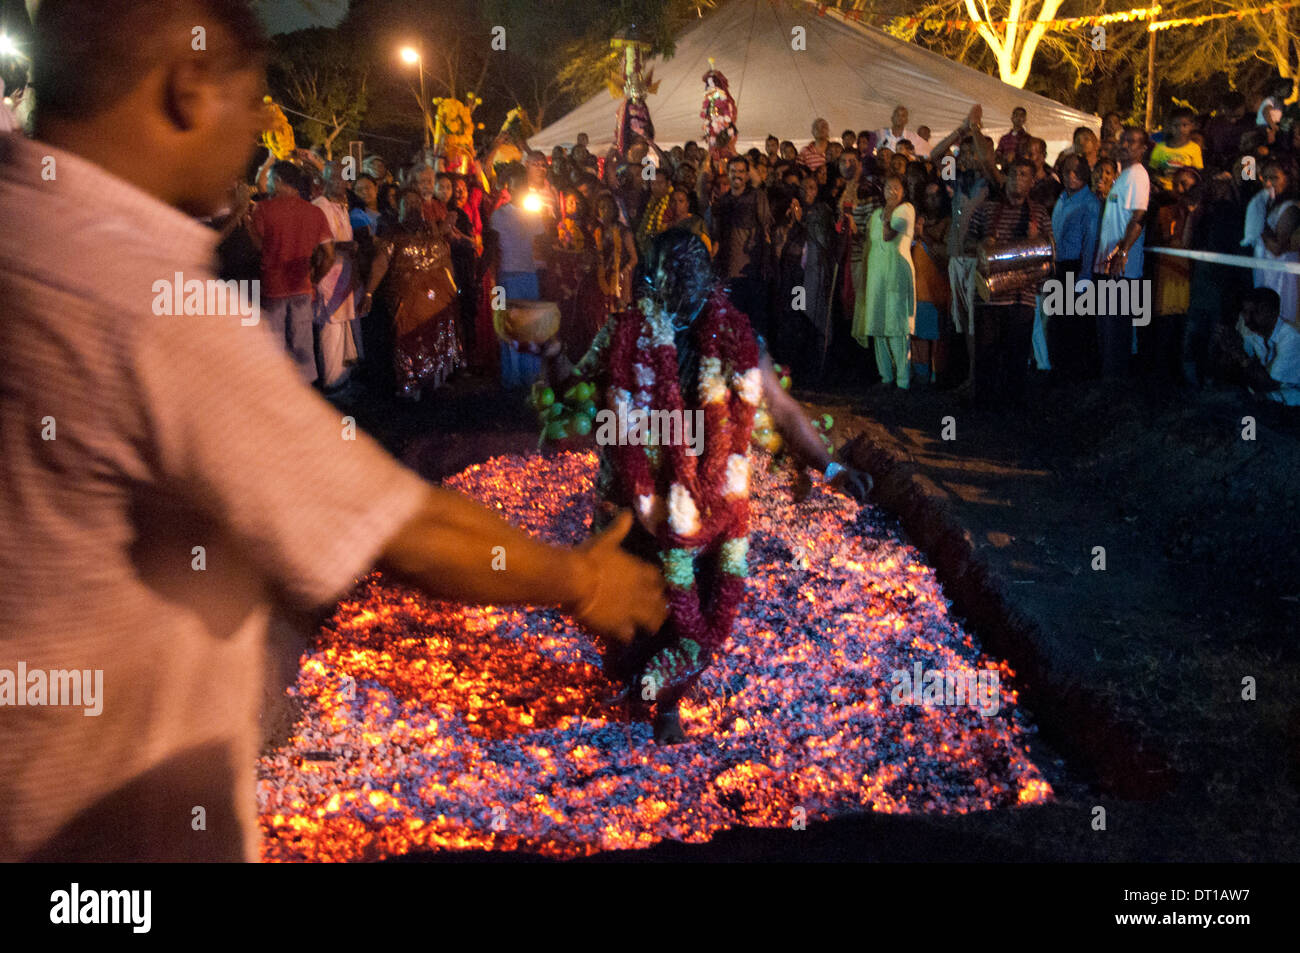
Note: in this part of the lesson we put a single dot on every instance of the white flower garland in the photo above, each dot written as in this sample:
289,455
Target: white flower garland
749,385
652,510
737,477
683,515
713,389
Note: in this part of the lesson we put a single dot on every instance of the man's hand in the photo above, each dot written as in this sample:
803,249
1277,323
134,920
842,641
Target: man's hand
309,158
448,550
623,593
1116,261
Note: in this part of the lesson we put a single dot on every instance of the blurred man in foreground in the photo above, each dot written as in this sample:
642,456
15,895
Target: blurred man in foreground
168,476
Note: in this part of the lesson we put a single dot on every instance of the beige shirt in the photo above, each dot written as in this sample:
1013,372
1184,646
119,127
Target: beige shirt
170,433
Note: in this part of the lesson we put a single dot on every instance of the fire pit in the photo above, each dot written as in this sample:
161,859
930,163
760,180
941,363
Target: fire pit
431,725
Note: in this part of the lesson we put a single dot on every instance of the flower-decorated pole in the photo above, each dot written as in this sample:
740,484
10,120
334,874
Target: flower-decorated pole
633,85
454,132
719,112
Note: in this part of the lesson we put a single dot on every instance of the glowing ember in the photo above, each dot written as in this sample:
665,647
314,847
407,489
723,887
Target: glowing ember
434,725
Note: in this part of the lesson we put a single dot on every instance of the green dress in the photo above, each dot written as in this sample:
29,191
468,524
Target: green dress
891,281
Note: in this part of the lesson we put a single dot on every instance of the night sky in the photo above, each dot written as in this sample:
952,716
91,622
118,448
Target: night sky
281,16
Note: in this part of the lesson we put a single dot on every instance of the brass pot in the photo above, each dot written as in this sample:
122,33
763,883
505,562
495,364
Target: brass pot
527,322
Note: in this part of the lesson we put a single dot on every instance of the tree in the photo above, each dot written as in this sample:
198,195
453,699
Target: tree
1278,35
588,60
1011,29
1101,68
320,77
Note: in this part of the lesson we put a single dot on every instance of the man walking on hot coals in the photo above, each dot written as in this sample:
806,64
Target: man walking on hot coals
685,348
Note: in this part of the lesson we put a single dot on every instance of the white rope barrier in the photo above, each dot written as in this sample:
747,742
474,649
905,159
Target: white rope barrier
1237,261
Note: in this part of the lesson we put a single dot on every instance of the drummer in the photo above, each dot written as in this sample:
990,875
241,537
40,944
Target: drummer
1004,324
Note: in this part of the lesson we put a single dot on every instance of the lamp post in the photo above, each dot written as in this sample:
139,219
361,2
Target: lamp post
411,55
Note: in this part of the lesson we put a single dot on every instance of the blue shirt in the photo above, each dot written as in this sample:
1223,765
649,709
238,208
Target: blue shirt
517,229
1075,221
362,219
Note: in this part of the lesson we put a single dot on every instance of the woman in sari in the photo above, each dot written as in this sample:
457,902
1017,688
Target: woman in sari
570,277
679,215
615,255
412,275
791,332
386,202
819,268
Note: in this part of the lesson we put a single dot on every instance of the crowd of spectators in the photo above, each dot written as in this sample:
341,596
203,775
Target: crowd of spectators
847,253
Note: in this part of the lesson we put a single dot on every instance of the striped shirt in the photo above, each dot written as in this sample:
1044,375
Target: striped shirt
1006,223
811,157
163,476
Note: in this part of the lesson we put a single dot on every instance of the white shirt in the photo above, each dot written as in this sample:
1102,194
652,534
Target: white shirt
1256,214
1280,355
885,137
334,301
1130,193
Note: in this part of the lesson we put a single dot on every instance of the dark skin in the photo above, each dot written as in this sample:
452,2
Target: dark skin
182,133
1132,145
1019,180
788,418
1278,240
1263,322
982,158
893,199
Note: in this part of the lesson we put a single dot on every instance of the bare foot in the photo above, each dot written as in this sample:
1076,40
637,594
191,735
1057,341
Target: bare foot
668,727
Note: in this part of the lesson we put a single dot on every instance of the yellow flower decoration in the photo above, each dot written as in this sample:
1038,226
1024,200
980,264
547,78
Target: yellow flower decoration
278,135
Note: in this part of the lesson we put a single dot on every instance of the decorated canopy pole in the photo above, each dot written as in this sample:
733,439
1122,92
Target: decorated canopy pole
633,84
719,112
453,132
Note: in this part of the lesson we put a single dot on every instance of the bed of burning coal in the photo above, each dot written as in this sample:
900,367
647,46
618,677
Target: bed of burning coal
429,725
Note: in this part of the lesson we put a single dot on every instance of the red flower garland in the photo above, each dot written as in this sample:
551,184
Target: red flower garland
722,333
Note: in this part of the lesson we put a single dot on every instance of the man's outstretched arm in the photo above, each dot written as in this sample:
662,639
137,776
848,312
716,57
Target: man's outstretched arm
448,549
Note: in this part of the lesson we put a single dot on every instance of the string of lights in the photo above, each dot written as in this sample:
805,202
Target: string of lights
1058,24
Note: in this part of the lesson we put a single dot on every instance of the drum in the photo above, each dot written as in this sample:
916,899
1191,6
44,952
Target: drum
527,322
987,286
1015,255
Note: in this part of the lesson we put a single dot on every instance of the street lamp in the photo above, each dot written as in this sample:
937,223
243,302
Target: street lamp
411,55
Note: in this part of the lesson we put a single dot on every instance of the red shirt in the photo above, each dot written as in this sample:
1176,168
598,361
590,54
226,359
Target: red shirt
290,229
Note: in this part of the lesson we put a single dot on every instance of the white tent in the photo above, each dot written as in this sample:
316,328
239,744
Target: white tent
850,74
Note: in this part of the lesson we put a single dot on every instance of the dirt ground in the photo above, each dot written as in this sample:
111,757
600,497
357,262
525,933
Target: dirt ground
1134,674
